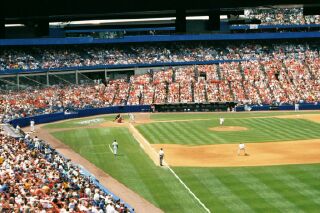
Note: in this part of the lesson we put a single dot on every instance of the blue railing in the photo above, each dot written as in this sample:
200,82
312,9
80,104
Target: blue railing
119,66
46,118
303,106
276,26
121,30
160,38
96,182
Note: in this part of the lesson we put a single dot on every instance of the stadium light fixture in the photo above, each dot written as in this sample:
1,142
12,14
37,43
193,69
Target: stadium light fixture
197,17
108,21
14,25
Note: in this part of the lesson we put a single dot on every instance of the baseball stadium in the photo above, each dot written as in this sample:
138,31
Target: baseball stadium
112,107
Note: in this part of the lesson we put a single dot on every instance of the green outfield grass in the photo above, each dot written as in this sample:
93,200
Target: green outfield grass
79,122
259,130
217,115
293,188
133,167
171,116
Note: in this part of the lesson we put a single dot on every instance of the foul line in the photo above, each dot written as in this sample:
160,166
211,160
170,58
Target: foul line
188,189
110,148
167,165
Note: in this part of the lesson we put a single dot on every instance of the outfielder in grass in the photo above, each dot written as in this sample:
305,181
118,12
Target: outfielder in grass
221,120
115,148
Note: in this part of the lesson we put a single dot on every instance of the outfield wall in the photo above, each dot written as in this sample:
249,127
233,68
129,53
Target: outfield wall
306,106
47,118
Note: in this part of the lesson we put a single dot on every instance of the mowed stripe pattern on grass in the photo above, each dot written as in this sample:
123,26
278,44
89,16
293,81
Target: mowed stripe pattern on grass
253,189
217,115
293,188
259,130
132,167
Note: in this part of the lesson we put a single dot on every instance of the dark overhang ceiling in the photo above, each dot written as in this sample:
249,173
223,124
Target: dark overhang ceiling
66,10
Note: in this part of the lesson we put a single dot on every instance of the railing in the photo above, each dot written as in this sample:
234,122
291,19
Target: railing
275,26
303,106
120,66
11,131
160,38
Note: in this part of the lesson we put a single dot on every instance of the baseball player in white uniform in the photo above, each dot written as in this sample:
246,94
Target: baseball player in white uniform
18,129
242,147
221,121
32,128
115,147
36,143
131,117
161,156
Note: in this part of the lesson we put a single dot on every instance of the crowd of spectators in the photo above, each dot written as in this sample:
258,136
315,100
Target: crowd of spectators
35,178
77,56
290,81
272,16
64,57
160,80
281,72
185,77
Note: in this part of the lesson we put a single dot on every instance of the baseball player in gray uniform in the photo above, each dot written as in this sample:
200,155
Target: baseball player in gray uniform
161,156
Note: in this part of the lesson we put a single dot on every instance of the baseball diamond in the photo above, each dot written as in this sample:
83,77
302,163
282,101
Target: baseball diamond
280,173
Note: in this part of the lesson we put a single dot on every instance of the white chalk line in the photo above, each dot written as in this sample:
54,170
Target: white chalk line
171,170
110,149
140,137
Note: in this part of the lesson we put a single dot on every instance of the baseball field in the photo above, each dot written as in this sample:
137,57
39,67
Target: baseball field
203,172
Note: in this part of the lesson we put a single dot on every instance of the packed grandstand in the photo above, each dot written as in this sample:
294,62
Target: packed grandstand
281,16
282,73
85,56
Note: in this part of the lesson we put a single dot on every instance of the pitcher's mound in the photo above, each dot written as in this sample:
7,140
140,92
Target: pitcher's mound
228,128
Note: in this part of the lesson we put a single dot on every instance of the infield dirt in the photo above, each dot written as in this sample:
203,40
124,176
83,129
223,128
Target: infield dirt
225,155
228,128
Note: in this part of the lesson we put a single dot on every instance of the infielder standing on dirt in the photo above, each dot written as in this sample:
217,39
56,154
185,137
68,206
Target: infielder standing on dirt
242,147
161,156
115,147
